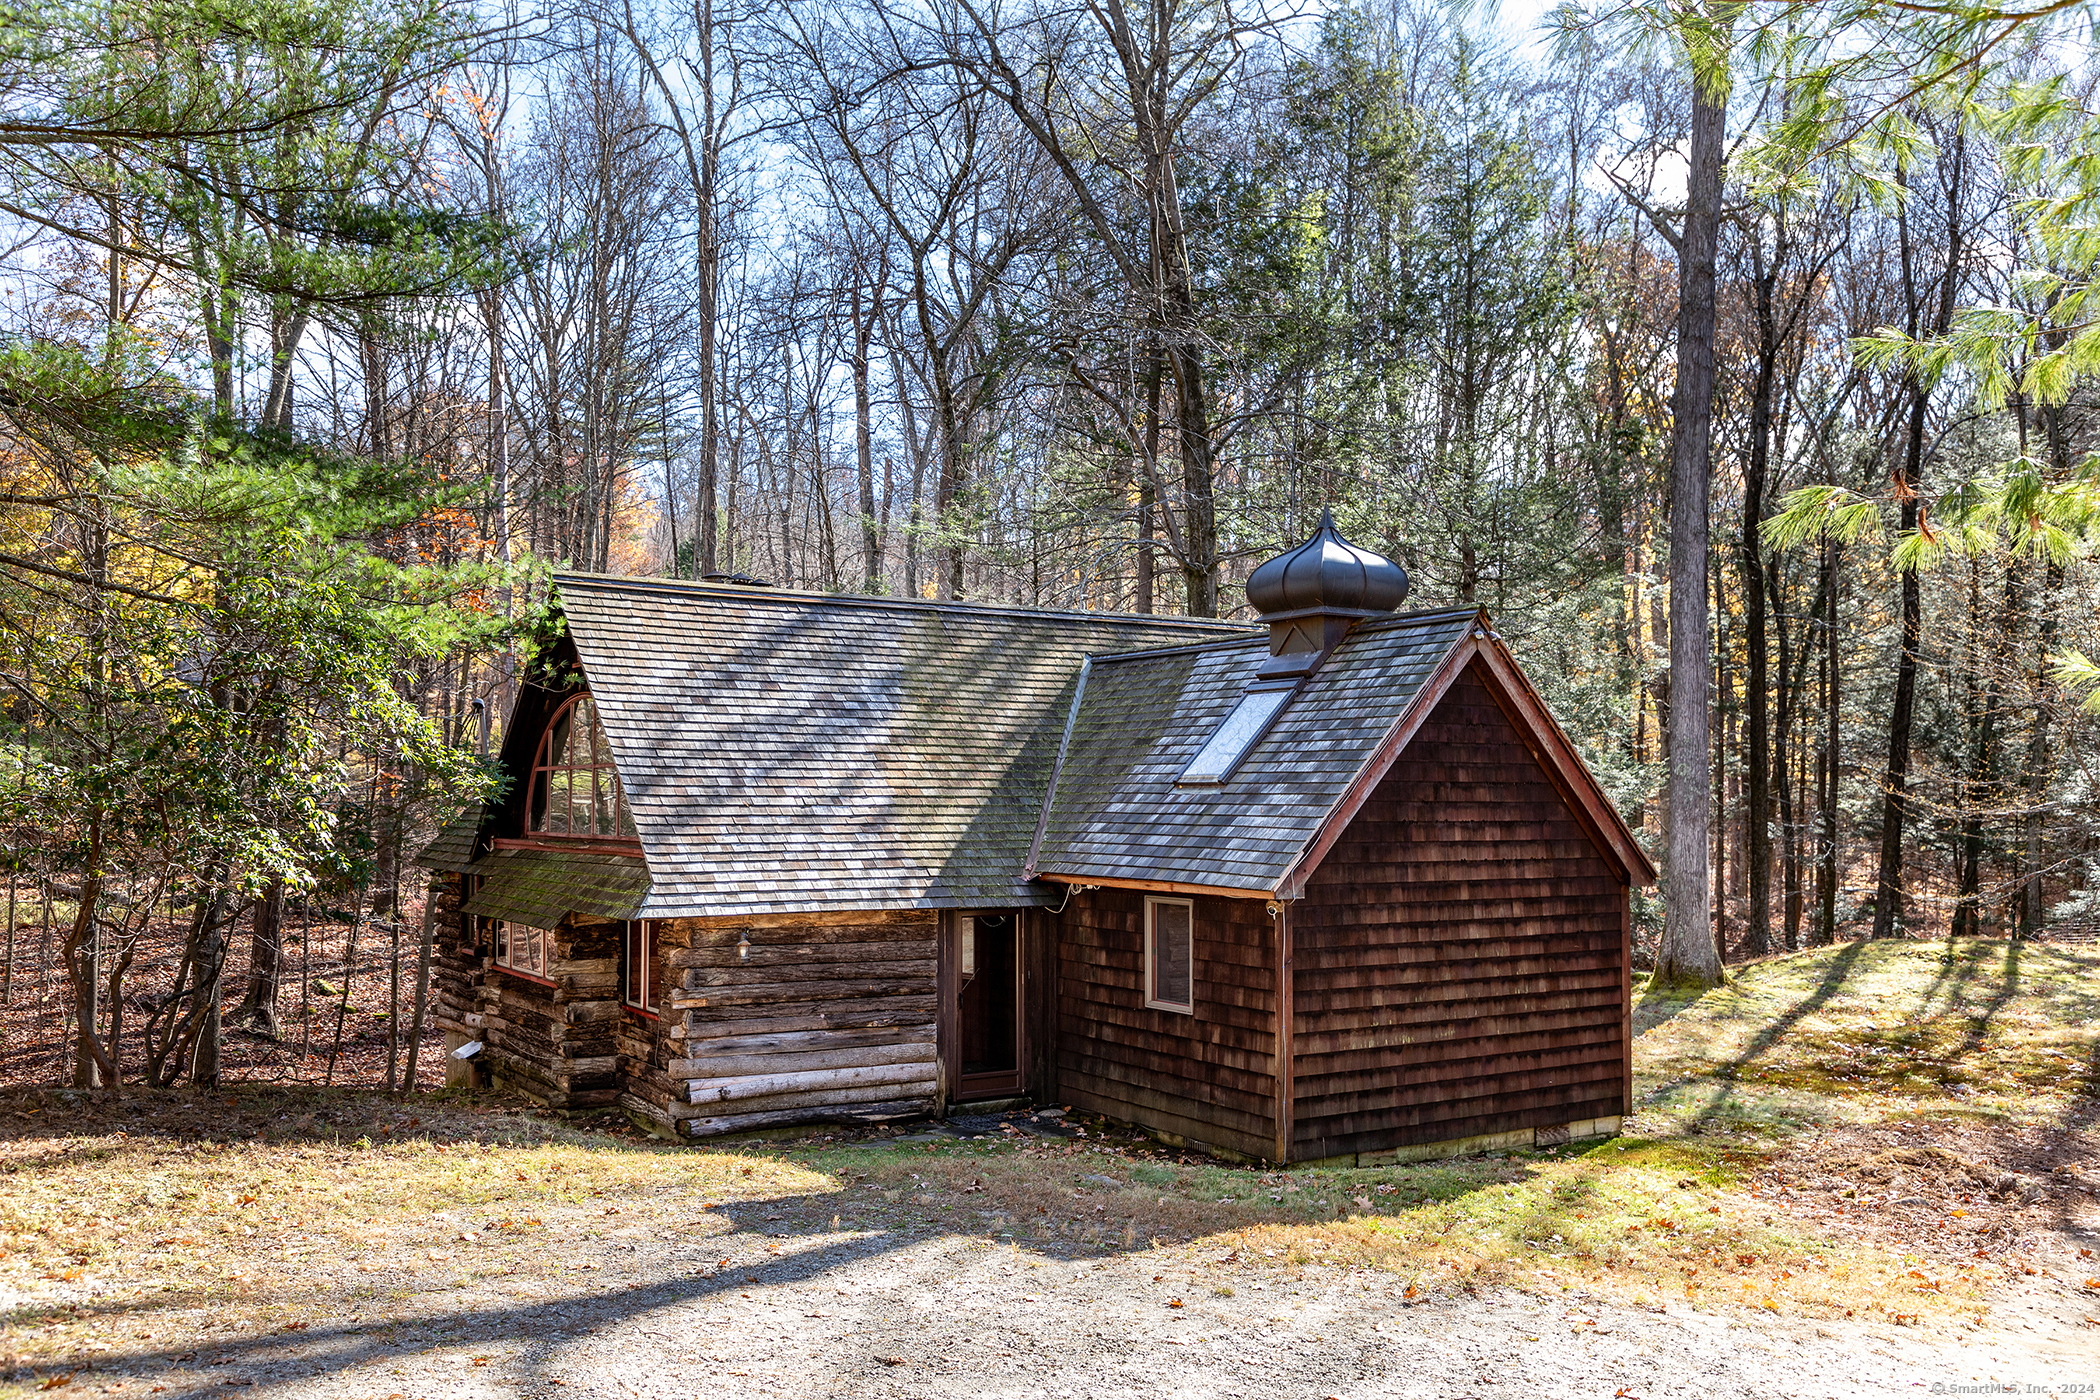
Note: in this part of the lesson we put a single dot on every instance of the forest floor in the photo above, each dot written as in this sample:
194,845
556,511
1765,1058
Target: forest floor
334,1030
1873,1169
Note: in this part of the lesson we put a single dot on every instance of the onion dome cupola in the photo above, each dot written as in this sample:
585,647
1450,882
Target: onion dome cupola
1311,596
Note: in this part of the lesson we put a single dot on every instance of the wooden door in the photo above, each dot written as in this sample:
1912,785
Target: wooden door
989,1048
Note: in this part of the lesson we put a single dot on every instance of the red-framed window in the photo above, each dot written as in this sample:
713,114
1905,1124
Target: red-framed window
522,948
575,788
640,975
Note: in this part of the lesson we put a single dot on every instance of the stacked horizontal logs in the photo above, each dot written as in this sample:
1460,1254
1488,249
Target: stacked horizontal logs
822,1017
552,1043
647,1091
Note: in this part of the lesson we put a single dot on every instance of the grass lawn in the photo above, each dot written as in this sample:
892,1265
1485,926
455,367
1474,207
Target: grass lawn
1748,1179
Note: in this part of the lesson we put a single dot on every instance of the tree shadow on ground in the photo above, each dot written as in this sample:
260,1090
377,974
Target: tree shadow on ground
539,1327
196,1137
1728,1075
2008,987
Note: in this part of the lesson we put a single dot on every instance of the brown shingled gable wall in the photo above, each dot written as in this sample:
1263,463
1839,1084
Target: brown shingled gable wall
1460,953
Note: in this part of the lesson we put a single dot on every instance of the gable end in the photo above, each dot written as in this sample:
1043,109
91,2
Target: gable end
1483,657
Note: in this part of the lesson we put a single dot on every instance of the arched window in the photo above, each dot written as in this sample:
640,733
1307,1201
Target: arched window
575,790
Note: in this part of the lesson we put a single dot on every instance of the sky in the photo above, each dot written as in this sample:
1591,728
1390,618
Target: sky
1520,22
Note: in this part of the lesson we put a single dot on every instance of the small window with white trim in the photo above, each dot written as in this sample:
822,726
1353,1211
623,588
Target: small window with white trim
522,948
1170,955
638,977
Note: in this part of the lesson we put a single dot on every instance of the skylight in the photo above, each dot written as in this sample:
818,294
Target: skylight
1229,742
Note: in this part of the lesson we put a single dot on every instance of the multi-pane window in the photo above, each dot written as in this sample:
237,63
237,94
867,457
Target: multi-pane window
575,789
1170,939
638,975
522,948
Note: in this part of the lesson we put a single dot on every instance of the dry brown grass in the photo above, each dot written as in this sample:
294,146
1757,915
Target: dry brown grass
1642,1222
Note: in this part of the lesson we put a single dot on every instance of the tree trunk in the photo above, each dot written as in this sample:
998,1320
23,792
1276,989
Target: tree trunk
1895,783
82,951
1827,758
1147,501
7,968
423,951
2035,777
265,962
864,445
1688,954
710,269
1789,765
1757,799
284,345
2035,769
1968,902
209,958
1199,476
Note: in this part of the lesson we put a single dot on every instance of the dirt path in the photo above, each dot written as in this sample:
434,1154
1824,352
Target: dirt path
740,1304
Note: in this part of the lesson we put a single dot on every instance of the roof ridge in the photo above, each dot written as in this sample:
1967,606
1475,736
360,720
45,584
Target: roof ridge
771,594
1369,624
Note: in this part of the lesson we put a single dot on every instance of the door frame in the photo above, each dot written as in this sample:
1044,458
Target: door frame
1027,996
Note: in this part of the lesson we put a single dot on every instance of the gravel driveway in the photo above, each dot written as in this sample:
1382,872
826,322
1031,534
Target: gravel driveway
746,1305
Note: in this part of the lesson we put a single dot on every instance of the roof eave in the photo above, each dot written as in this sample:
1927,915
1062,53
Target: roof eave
1079,880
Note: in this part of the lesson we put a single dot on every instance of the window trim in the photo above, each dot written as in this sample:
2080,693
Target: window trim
642,931
499,957
543,768
1152,903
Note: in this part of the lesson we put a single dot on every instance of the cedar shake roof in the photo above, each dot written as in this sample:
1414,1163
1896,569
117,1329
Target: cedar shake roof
787,752
538,887
452,849
1115,812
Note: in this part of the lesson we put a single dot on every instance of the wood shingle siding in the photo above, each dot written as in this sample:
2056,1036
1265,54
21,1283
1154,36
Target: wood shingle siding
1209,1077
1460,953
828,1014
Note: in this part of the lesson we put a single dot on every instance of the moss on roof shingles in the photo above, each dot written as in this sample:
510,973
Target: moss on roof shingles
540,887
788,752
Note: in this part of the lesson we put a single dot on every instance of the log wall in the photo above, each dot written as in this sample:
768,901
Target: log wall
1209,1078
1460,955
647,1091
553,1043
829,1016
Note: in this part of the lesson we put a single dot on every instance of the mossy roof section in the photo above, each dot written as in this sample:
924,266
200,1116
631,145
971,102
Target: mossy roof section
1116,812
540,887
786,752
452,849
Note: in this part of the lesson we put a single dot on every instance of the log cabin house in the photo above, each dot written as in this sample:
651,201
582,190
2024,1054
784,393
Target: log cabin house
1334,886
